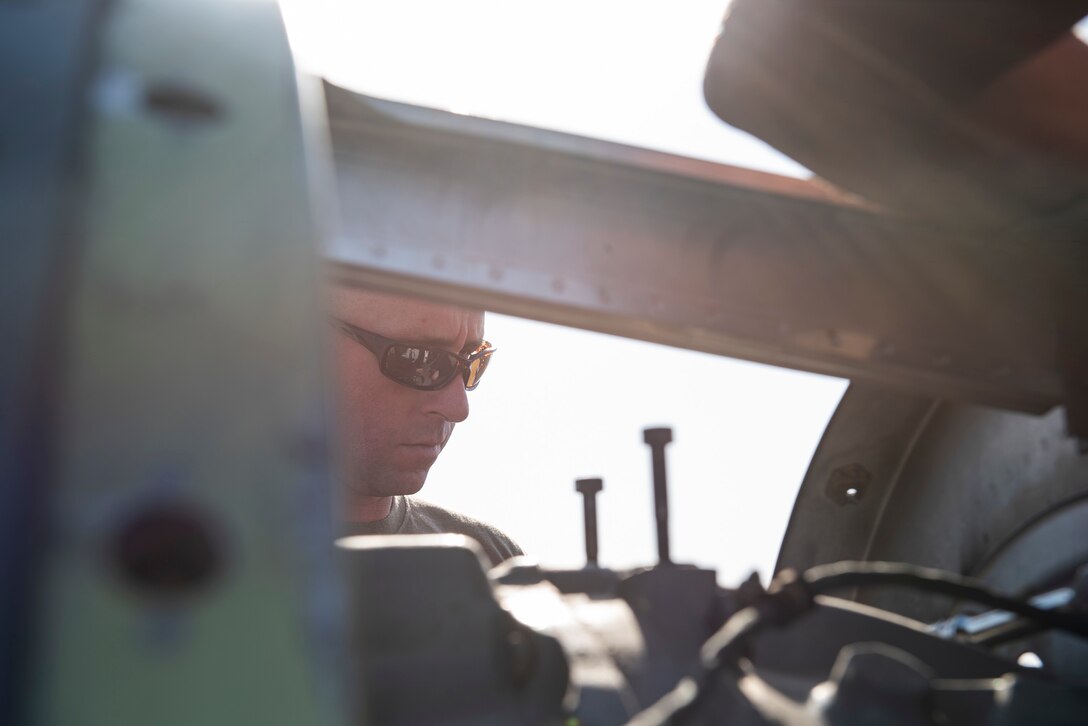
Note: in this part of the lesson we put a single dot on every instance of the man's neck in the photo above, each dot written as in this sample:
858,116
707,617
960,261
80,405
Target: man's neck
367,509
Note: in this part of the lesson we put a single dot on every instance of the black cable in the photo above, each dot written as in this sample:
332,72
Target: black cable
789,596
723,650
840,575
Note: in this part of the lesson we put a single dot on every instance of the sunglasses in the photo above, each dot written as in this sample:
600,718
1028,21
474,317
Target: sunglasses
420,366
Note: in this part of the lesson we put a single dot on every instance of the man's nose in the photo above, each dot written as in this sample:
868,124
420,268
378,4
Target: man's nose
451,402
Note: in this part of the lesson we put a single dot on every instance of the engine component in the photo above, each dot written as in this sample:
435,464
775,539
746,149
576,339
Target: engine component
435,646
443,643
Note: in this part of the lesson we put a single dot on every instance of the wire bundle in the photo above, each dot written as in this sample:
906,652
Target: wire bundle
790,595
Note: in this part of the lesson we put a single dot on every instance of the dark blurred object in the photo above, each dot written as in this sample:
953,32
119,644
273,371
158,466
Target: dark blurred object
435,646
165,513
45,50
969,117
924,108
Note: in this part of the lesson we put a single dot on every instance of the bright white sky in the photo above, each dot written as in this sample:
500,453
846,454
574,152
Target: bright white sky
559,404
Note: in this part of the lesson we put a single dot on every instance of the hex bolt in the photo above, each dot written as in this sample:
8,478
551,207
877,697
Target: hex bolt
657,439
848,484
588,489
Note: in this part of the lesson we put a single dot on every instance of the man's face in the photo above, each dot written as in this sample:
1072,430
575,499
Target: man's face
390,434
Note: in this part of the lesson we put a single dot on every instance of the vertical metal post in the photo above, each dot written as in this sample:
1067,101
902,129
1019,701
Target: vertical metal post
657,439
589,488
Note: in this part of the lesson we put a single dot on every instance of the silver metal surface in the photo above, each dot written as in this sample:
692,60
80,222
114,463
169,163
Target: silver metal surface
958,487
971,482
689,253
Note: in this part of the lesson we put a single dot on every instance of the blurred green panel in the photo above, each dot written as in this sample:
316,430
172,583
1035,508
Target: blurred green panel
189,572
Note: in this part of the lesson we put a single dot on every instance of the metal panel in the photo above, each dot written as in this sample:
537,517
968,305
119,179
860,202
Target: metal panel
973,479
936,484
683,252
188,574
852,475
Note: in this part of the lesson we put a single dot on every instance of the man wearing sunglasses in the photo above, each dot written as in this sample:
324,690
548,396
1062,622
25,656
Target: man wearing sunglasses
403,371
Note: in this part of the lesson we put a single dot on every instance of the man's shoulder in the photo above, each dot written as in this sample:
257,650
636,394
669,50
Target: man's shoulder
425,517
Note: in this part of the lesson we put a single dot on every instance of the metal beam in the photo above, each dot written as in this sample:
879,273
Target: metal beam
684,252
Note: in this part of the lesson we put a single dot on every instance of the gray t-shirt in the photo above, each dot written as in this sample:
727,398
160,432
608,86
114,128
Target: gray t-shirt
416,516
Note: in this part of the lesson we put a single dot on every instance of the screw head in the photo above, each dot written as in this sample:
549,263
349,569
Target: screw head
848,484
589,486
657,437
